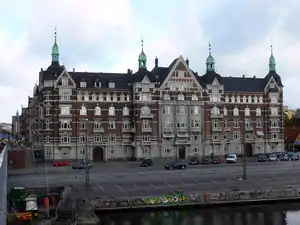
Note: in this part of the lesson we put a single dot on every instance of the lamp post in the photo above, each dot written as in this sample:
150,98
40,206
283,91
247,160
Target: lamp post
87,171
244,155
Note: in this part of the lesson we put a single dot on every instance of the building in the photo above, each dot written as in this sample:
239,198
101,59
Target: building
290,113
162,112
15,125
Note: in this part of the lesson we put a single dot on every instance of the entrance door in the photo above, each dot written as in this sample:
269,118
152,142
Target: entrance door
98,154
181,152
248,150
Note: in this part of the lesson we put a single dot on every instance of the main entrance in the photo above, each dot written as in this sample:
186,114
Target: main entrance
248,152
98,154
181,152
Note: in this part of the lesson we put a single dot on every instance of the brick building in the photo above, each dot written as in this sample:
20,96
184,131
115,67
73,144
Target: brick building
163,112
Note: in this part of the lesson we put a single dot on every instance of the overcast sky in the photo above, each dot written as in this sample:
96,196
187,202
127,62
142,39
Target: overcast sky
104,35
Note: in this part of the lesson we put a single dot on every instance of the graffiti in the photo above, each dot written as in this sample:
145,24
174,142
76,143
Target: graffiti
166,199
229,196
197,197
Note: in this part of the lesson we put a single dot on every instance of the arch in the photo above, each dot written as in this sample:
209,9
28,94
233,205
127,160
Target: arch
248,151
115,97
145,110
247,111
101,98
180,97
226,99
181,152
258,112
194,97
235,111
232,99
125,111
83,110
111,111
97,111
167,97
225,111
98,154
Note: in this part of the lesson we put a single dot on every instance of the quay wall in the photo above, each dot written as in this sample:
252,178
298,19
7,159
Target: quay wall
199,198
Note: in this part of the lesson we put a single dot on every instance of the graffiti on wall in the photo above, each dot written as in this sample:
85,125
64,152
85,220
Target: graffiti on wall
166,199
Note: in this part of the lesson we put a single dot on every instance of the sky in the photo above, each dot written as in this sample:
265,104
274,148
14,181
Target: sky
105,36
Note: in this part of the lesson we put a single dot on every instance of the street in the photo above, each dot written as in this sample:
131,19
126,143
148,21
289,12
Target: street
134,181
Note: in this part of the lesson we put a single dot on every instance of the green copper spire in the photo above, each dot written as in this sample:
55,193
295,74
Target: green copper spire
272,63
210,61
142,58
55,49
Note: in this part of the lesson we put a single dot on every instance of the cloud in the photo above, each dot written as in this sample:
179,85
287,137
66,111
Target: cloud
105,36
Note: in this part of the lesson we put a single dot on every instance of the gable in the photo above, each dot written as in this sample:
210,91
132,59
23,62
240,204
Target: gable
145,80
180,77
272,85
65,80
215,82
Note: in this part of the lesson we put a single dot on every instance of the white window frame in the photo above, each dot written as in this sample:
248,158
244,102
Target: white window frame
111,84
111,111
65,138
97,111
83,84
125,111
236,111
98,138
111,124
83,111
258,111
65,81
247,111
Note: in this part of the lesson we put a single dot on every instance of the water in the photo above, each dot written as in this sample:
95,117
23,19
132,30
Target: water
287,214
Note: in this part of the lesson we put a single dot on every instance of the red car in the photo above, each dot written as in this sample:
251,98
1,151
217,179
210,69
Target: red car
60,163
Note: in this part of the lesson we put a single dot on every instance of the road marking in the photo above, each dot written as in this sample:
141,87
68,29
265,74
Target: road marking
101,187
135,187
119,187
167,183
152,186
214,181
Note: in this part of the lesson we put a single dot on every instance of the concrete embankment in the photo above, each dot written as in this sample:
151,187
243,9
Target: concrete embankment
200,198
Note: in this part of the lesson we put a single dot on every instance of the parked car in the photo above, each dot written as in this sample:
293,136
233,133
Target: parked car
206,160
194,160
285,157
176,165
82,166
272,157
262,158
294,157
60,163
215,160
146,163
231,158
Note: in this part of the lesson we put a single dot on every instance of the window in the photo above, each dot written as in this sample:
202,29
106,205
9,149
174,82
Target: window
145,110
180,124
146,97
108,97
111,111
244,99
97,84
65,96
194,97
64,110
261,99
101,98
115,98
47,139
94,97
112,151
235,111
236,135
86,97
167,110
146,138
146,124
255,99
247,123
97,111
215,124
65,153
111,137
274,136
215,110
274,99
83,84
181,109
195,123
195,149
145,150
167,150
249,99
98,138
82,125
258,112
180,97
272,85
64,81
225,112
195,110
83,111
125,111
47,124
236,123
82,137
111,84
226,99
64,125
98,125
168,124
47,110
111,124
274,123
65,138
214,98
82,152
232,99
274,111
126,125
238,99
258,123
127,98
247,111
215,137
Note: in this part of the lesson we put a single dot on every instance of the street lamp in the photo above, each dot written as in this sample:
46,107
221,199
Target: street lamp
87,172
244,146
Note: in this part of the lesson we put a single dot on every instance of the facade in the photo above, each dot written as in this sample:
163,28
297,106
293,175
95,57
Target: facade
164,112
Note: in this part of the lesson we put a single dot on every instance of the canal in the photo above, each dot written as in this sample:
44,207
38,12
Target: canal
280,214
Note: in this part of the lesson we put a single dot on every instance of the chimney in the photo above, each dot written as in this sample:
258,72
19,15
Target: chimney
129,71
156,62
73,69
187,61
254,77
243,76
41,69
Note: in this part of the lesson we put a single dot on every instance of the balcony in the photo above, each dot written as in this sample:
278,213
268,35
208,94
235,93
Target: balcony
275,127
146,116
147,129
274,115
99,130
182,141
168,129
126,130
146,142
127,142
216,116
216,129
64,144
274,140
217,141
182,129
195,129
248,128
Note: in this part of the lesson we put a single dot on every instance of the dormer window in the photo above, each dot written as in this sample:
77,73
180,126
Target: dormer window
64,81
238,99
181,97
83,84
97,84
111,84
115,98
194,97
258,112
272,85
167,97
226,99
225,111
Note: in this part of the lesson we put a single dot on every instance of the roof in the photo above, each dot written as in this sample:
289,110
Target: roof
243,84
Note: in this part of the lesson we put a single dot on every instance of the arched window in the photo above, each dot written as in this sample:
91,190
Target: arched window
83,110
167,97
232,99
226,99
244,99
97,111
122,97
111,111
215,110
94,97
181,97
261,100
255,99
145,110
101,97
115,98
86,97
225,112
238,99
108,97
247,111
249,99
194,97
125,111
258,112
235,111
128,97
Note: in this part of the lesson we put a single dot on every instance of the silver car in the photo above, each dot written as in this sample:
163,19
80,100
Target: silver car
272,157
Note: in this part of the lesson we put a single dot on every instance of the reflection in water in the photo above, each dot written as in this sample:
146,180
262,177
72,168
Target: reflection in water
255,215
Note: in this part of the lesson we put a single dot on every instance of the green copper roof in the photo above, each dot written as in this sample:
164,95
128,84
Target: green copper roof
210,61
272,62
142,58
55,51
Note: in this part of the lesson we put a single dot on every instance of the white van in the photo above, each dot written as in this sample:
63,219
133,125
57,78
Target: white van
231,158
